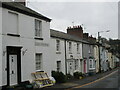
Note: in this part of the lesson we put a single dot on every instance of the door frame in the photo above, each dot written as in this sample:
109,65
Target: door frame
14,50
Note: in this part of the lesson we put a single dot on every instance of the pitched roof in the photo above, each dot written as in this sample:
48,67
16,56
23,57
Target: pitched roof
62,35
15,6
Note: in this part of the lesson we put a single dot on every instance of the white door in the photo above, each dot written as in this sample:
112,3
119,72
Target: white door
70,67
13,69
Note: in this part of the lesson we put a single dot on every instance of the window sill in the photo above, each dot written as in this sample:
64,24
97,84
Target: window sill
58,52
38,38
14,35
91,68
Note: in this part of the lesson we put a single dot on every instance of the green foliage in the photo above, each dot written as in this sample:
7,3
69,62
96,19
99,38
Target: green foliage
77,75
69,76
59,76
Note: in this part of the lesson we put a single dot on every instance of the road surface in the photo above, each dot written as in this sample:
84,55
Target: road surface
111,80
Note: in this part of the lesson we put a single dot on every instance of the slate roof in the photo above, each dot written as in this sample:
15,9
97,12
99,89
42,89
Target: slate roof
62,35
15,6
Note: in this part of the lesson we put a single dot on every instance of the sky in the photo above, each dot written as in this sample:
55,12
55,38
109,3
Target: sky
94,15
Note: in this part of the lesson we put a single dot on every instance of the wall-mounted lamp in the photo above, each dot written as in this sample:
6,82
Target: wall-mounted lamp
4,53
23,52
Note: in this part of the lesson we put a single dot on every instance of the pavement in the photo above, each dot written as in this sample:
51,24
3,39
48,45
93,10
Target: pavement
88,82
81,82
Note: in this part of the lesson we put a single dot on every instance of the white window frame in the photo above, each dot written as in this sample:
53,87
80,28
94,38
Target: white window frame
14,13
76,64
59,66
38,61
78,48
57,45
38,28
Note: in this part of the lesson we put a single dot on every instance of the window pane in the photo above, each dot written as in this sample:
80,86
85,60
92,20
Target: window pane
13,23
58,65
57,45
38,31
38,61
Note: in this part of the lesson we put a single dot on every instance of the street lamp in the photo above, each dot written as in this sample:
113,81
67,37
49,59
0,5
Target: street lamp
99,48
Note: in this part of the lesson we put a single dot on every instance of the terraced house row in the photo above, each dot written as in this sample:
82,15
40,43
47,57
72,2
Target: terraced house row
27,44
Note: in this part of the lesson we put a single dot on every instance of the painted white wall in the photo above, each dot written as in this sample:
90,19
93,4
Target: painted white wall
0,46
96,56
110,59
104,57
74,54
27,41
57,56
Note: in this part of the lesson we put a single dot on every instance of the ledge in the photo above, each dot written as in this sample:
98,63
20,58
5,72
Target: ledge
14,35
58,52
38,38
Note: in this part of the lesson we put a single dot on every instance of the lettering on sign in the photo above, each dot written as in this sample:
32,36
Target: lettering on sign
41,44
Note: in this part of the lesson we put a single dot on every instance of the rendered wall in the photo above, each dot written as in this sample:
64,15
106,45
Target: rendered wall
31,46
0,45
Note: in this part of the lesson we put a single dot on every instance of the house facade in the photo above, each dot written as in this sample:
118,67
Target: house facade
67,51
87,61
96,56
74,56
57,52
25,38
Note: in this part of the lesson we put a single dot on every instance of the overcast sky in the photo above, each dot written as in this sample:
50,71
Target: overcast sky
95,16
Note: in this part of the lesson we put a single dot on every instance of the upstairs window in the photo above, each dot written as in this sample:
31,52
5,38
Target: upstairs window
38,28
77,47
57,45
12,23
70,47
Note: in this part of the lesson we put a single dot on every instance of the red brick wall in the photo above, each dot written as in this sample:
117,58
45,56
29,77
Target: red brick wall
76,31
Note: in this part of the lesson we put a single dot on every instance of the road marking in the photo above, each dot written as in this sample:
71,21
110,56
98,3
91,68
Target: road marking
93,81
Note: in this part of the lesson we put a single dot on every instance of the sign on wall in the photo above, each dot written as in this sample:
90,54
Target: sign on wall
41,44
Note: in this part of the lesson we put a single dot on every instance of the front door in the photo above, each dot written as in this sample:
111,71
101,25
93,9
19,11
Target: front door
13,69
84,66
70,67
13,65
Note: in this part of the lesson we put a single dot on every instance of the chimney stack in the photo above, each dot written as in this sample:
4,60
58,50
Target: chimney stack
76,31
85,35
91,38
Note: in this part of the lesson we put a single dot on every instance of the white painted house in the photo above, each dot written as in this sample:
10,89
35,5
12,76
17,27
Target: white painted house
67,52
24,43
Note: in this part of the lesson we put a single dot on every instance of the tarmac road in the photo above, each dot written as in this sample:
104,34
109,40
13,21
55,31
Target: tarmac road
111,80
108,80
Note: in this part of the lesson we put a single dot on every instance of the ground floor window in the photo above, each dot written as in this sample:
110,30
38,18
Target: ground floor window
76,64
58,65
91,64
38,61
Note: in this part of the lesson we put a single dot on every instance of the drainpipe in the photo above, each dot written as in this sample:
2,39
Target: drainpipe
99,52
82,60
65,59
